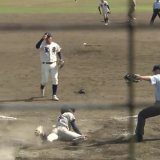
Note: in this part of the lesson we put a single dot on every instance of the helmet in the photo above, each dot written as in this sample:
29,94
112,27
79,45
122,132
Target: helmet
67,109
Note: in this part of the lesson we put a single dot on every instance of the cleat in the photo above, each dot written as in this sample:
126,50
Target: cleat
39,131
42,92
55,98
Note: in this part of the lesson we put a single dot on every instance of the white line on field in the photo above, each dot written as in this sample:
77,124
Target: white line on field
7,118
124,118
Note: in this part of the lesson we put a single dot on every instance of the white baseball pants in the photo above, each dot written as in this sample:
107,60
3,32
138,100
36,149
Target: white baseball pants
62,133
51,69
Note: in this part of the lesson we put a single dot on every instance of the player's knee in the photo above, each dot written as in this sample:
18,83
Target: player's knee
141,115
55,81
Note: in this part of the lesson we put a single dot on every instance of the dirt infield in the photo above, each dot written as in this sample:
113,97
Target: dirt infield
97,69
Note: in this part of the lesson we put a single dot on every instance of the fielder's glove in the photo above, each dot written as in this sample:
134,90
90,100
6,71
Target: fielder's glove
60,63
132,78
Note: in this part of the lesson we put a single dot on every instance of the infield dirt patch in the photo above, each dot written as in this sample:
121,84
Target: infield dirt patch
97,69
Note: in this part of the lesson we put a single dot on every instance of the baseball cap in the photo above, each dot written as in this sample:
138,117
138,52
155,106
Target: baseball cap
155,67
48,34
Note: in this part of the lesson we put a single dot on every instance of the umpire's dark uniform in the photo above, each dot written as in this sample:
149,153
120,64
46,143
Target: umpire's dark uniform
156,11
150,111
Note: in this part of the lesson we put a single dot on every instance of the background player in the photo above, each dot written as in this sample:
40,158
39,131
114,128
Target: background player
105,9
131,10
50,52
65,121
156,11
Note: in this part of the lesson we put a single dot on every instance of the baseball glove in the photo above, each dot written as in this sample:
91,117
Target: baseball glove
133,78
60,63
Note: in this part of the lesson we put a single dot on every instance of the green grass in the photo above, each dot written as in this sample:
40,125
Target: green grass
66,6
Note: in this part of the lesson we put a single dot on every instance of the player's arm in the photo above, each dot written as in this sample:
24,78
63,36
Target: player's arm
145,78
99,8
75,128
108,6
38,44
60,55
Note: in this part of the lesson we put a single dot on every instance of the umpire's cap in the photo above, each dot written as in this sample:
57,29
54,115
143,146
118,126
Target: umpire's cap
155,67
67,109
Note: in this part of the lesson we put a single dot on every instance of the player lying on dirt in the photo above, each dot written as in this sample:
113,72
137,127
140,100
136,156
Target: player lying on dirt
65,121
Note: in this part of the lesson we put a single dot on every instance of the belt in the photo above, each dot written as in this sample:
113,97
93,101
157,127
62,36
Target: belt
47,62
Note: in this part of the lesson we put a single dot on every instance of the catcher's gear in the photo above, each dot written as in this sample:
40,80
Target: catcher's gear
60,63
131,78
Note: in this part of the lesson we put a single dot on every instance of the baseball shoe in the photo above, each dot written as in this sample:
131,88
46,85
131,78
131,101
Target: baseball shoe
106,24
138,137
39,131
42,92
55,98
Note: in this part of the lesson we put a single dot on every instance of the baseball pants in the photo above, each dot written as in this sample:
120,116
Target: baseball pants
154,15
105,16
51,69
62,133
144,114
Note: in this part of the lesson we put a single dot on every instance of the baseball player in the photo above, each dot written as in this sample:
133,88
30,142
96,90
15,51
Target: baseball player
156,11
105,10
153,110
131,10
50,53
65,121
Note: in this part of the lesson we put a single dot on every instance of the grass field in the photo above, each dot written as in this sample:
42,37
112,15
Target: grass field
67,6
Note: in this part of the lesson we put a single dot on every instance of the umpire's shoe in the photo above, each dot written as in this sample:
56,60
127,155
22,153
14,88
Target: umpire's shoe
55,98
138,137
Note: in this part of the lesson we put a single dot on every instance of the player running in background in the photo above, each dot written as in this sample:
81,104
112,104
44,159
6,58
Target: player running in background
156,11
131,10
105,10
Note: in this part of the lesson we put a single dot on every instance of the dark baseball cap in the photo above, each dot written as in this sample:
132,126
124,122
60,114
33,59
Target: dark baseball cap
48,34
155,67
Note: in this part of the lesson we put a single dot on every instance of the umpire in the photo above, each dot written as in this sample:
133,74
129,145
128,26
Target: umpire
156,11
151,111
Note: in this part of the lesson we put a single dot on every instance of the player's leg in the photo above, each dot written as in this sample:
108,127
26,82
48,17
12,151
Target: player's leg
66,135
54,77
142,116
155,13
44,78
53,136
106,18
159,13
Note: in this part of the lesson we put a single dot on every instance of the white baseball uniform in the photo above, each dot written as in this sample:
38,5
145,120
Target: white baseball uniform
62,130
48,57
104,7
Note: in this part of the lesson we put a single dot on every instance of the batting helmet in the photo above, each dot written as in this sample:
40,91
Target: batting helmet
67,109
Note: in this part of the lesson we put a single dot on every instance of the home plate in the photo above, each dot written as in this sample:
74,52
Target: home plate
7,118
